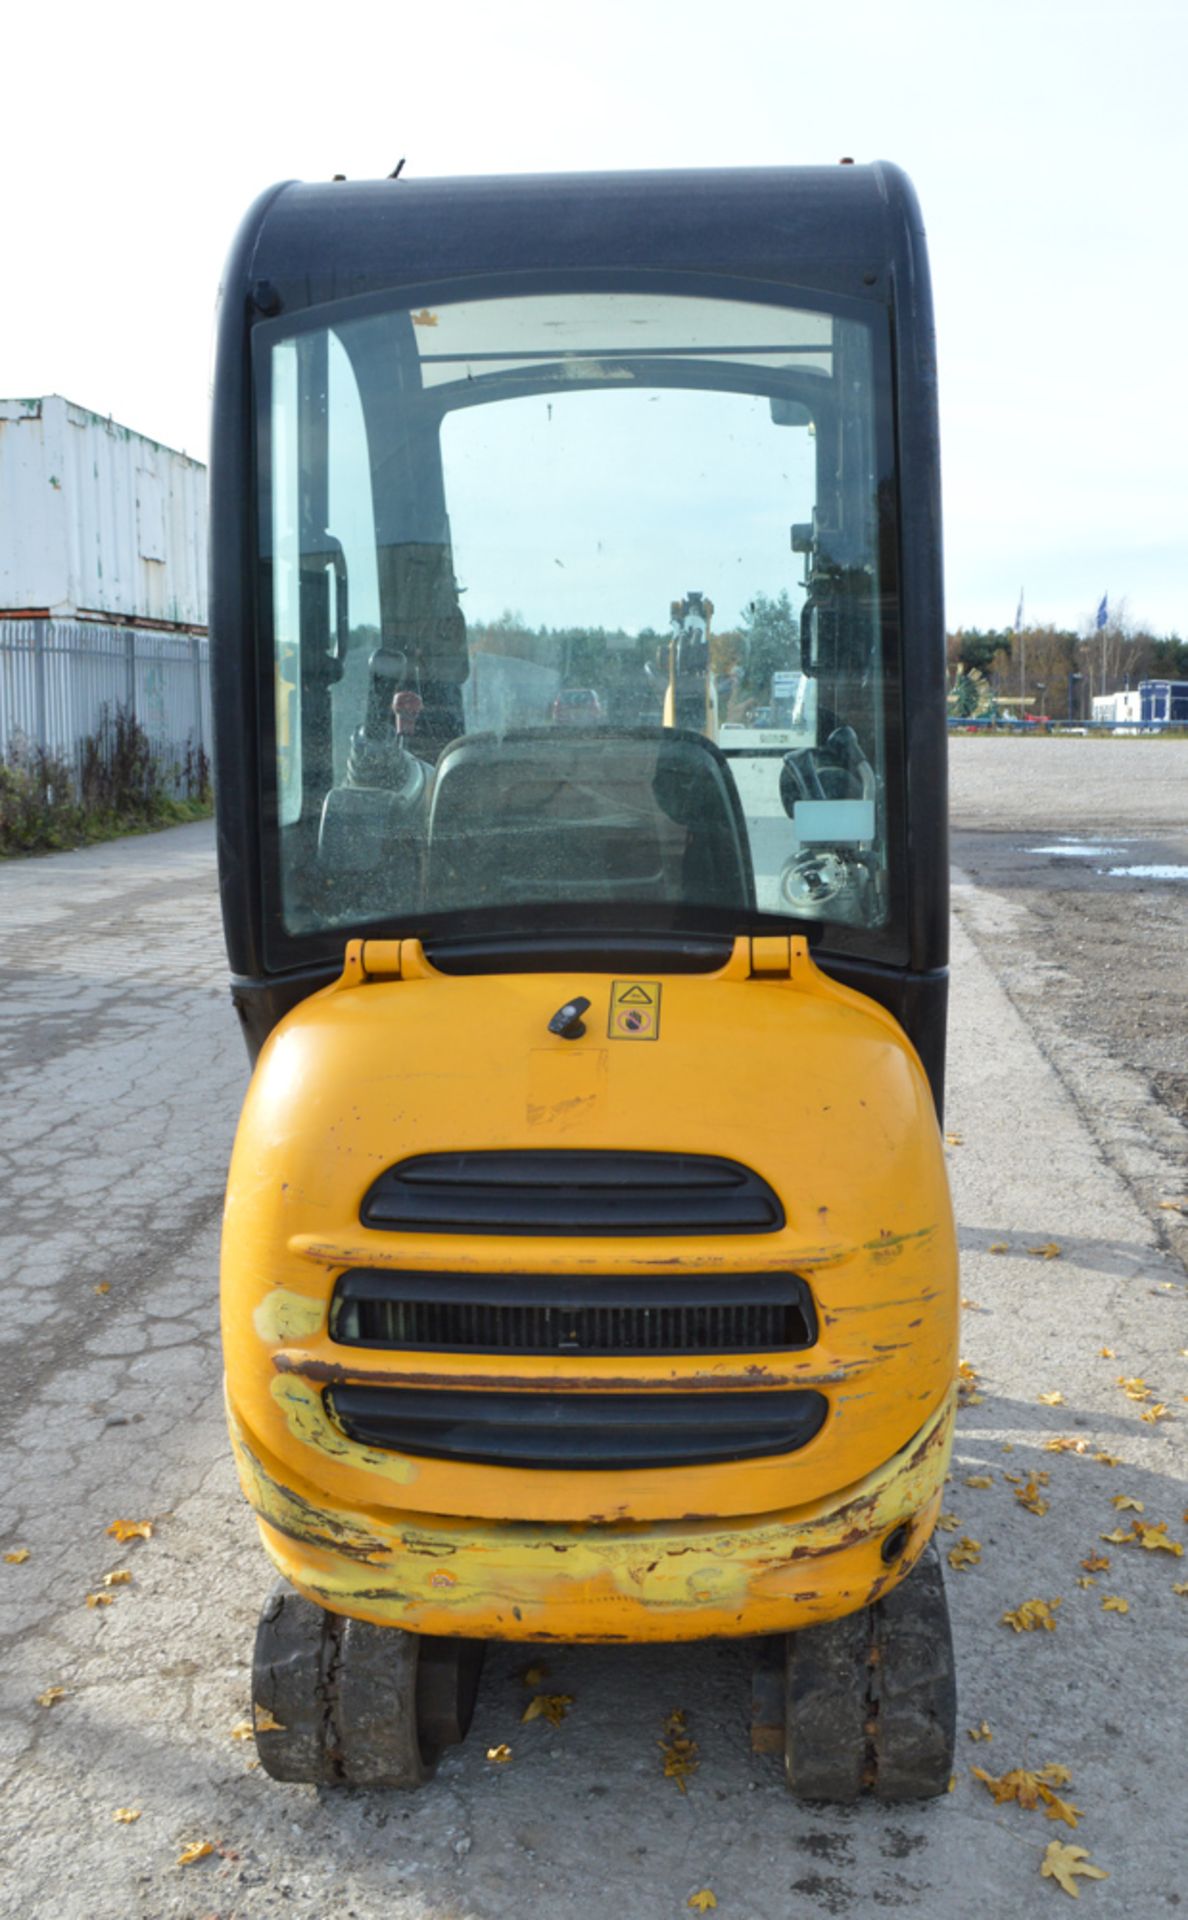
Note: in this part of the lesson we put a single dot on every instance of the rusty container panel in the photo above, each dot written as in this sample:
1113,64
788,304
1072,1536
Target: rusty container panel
96,520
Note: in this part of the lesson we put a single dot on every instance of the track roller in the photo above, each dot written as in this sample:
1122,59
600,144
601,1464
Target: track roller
341,1702
871,1700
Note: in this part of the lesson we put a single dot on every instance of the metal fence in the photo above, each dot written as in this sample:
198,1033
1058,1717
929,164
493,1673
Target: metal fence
60,680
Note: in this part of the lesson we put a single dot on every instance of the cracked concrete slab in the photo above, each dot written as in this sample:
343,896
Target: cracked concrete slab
113,1147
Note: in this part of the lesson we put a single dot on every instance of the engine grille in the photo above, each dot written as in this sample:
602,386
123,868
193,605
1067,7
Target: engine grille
526,1313
576,1430
568,1191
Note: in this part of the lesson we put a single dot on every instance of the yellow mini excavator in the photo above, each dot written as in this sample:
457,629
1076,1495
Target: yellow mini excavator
589,1272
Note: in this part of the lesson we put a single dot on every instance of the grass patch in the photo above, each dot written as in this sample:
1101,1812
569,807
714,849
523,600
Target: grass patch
116,786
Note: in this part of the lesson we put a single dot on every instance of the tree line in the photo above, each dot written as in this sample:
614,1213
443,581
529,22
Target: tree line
1057,671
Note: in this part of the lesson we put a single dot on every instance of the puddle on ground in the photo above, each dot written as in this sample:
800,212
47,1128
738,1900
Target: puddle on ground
1081,850
1149,873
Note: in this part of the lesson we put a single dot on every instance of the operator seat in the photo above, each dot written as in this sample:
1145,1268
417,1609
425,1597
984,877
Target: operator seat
645,815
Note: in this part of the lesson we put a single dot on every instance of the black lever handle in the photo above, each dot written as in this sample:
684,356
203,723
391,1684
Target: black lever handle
567,1021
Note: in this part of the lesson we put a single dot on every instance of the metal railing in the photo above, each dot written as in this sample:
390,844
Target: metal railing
61,680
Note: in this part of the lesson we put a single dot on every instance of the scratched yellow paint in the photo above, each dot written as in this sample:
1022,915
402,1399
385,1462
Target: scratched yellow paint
674,1580
812,1085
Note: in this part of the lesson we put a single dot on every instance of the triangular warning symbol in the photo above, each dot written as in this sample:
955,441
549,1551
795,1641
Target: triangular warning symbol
635,997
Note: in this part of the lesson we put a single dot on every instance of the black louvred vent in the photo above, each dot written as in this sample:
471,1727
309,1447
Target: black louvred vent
579,1430
560,1314
571,1192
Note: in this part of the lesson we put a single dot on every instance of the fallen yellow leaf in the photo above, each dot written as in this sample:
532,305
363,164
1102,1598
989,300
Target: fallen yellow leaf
701,1902
120,1578
1106,1353
100,1599
1030,1496
242,1730
197,1850
954,1140
534,1676
1055,1399
1157,1412
967,1553
131,1530
680,1752
1049,1251
1180,1586
18,1557
126,1815
1124,1502
980,1732
500,1755
1152,1535
947,1522
1086,1580
971,1306
1061,1443
1060,1863
265,1722
1134,1388
998,1246
1174,1206
51,1696
552,1706
1113,1603
1107,1460
979,1479
103,1287
1032,1615
1029,1788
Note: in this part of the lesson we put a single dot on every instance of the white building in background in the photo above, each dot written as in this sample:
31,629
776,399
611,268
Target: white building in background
103,548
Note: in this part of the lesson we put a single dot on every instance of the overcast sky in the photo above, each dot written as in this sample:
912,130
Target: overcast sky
1048,141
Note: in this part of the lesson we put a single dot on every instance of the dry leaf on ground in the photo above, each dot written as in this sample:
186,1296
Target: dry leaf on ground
1086,1580
1049,1251
701,1901
500,1755
1152,1535
100,1599
947,1522
1032,1615
1114,1603
552,1707
980,1732
1106,1353
1061,1862
1134,1388
1126,1502
967,1553
17,1557
680,1752
197,1850
998,1246
123,1530
124,1816
51,1696
1107,1460
534,1676
1158,1412
1030,1496
1055,1399
242,1730
979,1479
1180,1586
1029,1788
265,1722
1063,1443
120,1578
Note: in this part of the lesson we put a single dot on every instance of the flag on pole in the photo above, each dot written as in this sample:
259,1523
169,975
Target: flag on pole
1103,612
1018,628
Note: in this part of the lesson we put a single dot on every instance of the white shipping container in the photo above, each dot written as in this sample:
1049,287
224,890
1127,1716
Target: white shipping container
97,521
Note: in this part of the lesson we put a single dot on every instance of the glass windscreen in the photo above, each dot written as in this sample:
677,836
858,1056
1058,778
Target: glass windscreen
575,612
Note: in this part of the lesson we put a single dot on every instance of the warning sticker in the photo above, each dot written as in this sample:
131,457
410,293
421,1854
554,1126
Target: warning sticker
634,1010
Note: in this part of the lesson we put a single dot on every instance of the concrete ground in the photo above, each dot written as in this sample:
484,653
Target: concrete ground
123,1071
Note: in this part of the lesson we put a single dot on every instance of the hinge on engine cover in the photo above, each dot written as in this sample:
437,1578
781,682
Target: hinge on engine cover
780,956
383,960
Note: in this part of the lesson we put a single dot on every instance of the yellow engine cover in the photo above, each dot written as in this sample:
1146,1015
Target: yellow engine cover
767,1063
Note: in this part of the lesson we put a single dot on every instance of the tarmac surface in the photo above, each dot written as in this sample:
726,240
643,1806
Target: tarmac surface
123,1071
